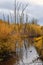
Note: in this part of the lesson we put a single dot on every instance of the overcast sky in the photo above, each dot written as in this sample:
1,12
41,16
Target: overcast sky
35,8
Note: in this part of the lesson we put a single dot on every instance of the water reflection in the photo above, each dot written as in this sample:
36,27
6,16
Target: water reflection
25,58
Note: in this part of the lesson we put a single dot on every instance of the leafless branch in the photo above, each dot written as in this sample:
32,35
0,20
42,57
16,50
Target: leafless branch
8,18
3,16
24,9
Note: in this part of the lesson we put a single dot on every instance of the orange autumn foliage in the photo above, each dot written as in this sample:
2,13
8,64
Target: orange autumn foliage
13,33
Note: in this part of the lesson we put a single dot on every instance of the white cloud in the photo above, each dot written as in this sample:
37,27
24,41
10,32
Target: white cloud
35,7
37,2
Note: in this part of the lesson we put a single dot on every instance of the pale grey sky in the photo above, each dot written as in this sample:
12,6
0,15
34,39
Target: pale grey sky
35,8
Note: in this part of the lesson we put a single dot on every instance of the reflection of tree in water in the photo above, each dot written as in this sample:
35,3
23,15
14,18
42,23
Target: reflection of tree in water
15,61
34,61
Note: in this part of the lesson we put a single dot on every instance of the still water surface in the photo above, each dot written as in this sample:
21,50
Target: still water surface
27,58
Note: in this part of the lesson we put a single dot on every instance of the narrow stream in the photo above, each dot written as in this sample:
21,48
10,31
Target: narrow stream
29,57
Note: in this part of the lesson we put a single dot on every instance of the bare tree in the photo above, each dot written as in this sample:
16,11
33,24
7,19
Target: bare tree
22,13
24,8
8,19
3,16
17,8
11,16
22,18
26,18
34,21
15,11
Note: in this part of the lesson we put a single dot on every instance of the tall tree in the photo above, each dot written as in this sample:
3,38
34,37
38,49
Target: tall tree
15,11
34,21
26,18
17,8
3,17
22,13
8,19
